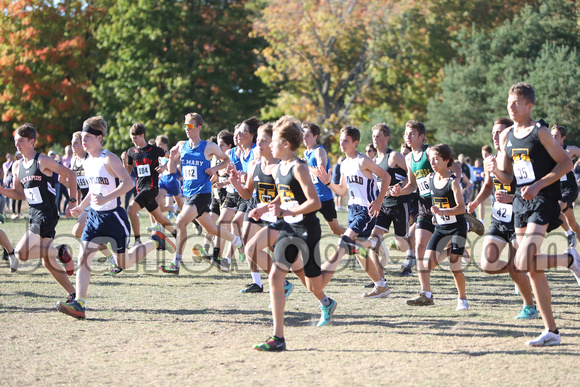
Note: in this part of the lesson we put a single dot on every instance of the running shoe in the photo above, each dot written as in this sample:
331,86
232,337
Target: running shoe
378,292
572,241
528,312
222,264
575,266
71,297
546,338
137,243
273,344
2,218
465,258
198,228
114,271
475,224
155,227
462,304
422,300
164,242
409,262
14,262
406,273
288,288
252,288
73,309
66,259
172,268
326,313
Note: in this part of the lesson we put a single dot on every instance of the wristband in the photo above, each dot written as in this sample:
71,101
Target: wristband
329,183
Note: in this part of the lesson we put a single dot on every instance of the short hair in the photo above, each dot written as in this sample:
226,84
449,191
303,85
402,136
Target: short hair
351,131
212,139
151,141
525,90
75,135
27,131
97,123
227,137
371,147
445,152
314,129
560,128
267,129
288,129
418,126
138,129
486,148
503,121
162,139
253,124
384,128
195,117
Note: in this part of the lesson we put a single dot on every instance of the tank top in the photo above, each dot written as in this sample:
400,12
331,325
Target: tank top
361,190
324,192
38,189
501,212
77,167
292,195
264,190
397,175
421,169
444,198
101,182
193,166
531,161
245,160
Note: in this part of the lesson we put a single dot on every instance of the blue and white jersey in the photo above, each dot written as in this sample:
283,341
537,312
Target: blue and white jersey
235,159
193,166
324,192
245,160
101,182
361,189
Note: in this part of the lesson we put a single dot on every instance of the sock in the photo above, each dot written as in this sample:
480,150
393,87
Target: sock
373,242
237,241
555,331
411,253
325,301
174,233
279,338
80,301
428,294
257,279
111,259
73,295
569,232
381,284
177,260
467,225
216,252
137,238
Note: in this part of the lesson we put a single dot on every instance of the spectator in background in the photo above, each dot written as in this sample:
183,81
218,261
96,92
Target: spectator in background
16,204
466,170
7,178
336,180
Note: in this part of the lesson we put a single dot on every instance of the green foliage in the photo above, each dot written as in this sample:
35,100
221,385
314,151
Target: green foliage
538,46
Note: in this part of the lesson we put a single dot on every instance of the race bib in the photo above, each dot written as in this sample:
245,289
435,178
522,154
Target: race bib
143,170
502,211
445,219
33,195
313,178
564,178
267,216
524,172
189,172
423,185
291,218
82,182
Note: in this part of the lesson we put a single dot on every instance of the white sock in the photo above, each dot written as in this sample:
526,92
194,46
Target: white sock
111,259
467,225
325,301
428,294
237,241
177,260
411,253
381,284
256,278
569,232
374,242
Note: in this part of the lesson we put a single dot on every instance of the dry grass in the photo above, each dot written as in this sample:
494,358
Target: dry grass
147,328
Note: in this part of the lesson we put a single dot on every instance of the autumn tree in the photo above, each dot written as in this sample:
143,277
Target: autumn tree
46,62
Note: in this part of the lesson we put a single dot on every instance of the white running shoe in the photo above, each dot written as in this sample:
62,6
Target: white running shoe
575,266
462,304
378,292
14,263
546,338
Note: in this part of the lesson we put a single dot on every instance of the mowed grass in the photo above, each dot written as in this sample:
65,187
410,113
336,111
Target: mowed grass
144,327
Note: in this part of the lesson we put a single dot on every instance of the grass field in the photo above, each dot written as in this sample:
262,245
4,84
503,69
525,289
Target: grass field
147,328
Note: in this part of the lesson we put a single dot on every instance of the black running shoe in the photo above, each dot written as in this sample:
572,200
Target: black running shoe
252,288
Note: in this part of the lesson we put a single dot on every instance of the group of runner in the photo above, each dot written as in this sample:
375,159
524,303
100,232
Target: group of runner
265,198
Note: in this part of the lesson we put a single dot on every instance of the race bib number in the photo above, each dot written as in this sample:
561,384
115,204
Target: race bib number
313,178
502,211
143,170
291,218
189,172
445,219
267,216
524,172
564,178
423,185
33,195
82,182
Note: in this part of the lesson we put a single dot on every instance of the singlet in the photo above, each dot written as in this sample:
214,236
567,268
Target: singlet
101,182
292,195
38,189
361,189
144,161
324,192
568,181
397,175
193,166
421,169
166,175
444,198
76,166
264,190
502,212
245,160
531,161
